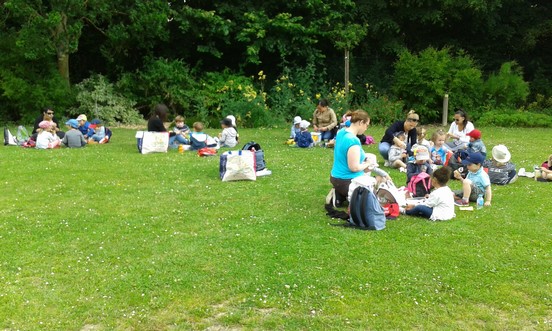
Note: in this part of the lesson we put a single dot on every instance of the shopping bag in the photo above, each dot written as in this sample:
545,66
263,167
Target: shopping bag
237,165
152,142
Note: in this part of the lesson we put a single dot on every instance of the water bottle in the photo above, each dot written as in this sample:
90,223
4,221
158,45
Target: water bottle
480,201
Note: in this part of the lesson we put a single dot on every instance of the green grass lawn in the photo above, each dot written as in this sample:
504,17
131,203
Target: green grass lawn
103,238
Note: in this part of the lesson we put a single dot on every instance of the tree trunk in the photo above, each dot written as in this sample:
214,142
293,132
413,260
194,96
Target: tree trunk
63,66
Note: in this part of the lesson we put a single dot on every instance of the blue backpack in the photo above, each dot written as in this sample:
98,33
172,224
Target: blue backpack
365,211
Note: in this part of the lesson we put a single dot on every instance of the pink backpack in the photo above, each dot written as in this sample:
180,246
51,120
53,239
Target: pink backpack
419,184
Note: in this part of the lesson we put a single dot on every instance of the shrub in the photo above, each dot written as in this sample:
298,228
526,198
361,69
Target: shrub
381,109
97,98
514,118
507,87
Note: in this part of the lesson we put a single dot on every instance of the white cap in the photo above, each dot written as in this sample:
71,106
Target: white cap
296,120
304,124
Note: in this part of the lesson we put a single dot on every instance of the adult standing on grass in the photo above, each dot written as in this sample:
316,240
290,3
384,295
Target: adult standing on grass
349,157
157,120
459,130
324,120
407,126
47,115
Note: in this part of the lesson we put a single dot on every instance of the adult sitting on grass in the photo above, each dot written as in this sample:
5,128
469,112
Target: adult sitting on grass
407,126
47,115
459,130
324,120
349,157
156,123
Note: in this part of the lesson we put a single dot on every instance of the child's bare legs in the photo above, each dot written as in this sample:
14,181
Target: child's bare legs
466,189
397,164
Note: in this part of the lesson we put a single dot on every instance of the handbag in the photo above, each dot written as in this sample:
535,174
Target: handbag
237,165
152,142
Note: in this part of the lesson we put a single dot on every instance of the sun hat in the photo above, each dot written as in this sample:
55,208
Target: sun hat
501,153
233,119
297,120
476,158
82,117
475,134
72,123
304,124
45,125
421,153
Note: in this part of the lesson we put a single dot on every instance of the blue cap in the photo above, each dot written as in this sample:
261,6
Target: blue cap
473,158
72,123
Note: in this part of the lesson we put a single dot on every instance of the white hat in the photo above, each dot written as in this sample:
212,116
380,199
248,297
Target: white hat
372,161
421,153
501,153
296,120
304,124
233,119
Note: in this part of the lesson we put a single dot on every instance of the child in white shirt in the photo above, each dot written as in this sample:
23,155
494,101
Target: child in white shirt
439,206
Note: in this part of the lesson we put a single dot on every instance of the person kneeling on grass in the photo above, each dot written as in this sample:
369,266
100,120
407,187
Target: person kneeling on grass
439,206
477,181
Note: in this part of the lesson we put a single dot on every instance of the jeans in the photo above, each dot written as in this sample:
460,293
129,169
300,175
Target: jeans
179,139
384,150
420,210
326,135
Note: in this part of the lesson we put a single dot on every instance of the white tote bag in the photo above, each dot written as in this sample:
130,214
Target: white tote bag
152,142
237,165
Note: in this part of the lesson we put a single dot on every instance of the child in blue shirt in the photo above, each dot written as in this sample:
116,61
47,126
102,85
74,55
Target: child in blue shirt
476,182
84,126
296,127
304,138
476,145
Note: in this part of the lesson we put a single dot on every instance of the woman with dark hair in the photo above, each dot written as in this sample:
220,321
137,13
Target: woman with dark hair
324,120
158,118
459,130
349,157
47,115
407,126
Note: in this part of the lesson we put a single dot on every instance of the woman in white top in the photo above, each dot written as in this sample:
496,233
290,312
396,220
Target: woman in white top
458,131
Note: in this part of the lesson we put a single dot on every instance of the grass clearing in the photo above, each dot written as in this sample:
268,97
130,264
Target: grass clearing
104,238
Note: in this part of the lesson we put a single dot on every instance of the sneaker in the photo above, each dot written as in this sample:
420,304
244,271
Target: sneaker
461,203
387,163
521,172
402,169
402,210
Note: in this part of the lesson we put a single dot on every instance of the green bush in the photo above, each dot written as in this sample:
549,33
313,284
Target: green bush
514,118
507,87
422,81
382,110
97,98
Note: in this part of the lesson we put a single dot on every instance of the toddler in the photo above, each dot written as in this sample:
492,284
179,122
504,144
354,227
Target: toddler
47,137
397,153
229,135
420,163
476,182
295,128
501,171
180,130
545,172
440,154
422,133
199,139
73,137
84,126
99,131
439,206
304,138
476,145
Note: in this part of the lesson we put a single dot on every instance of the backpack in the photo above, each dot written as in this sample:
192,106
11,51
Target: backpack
259,154
390,198
419,184
365,212
9,138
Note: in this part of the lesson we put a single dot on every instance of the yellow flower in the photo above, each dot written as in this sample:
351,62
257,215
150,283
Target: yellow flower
317,95
260,73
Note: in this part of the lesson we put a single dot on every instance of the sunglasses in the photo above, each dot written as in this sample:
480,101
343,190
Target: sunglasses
415,120
50,113
457,119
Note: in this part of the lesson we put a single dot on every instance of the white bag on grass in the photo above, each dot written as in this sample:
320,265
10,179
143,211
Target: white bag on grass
237,165
152,142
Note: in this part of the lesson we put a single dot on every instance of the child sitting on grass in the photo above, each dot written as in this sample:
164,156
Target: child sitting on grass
545,172
420,164
397,154
439,206
476,145
304,138
439,152
180,130
229,135
476,182
73,137
199,139
47,137
296,127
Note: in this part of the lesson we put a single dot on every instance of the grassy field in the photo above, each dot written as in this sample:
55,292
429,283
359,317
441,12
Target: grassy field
103,238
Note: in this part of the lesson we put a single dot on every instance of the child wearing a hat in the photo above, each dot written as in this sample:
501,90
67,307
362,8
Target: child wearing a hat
229,135
476,145
476,182
501,171
420,163
84,126
304,138
73,137
47,137
296,127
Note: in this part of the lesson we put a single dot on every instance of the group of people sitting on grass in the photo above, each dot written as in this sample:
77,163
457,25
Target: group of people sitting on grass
193,139
48,134
457,154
